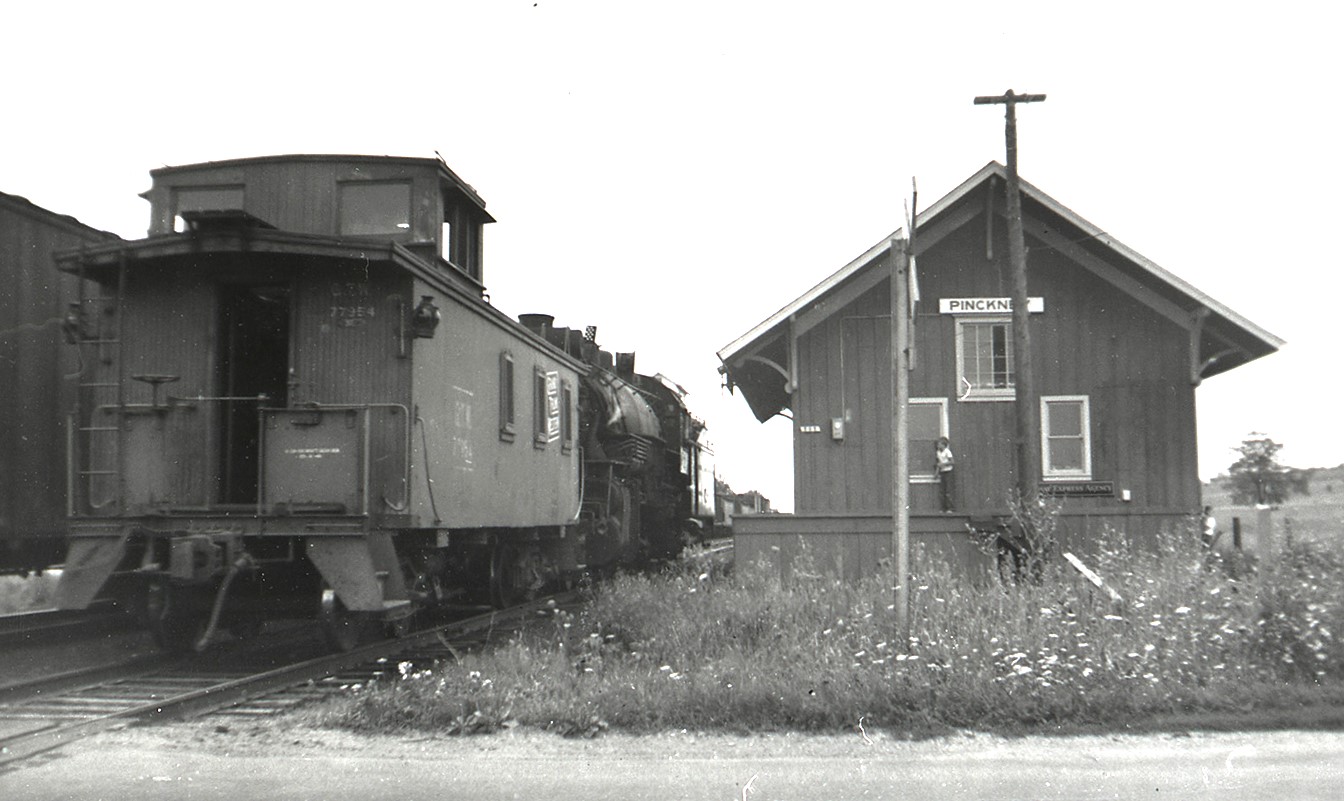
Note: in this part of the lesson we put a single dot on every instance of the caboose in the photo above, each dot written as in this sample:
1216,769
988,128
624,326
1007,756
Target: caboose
296,400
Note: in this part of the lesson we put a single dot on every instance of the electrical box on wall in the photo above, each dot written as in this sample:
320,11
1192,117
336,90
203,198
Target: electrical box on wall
837,428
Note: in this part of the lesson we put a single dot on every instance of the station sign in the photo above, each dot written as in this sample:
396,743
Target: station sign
986,305
1079,489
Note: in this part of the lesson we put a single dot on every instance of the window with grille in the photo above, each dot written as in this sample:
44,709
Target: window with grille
985,359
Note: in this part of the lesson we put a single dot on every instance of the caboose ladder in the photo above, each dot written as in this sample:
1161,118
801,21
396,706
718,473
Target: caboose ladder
99,455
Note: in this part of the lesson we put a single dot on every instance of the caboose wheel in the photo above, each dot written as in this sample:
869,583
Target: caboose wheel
176,623
516,574
342,628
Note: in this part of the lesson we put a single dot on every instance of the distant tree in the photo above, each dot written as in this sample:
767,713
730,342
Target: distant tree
1258,478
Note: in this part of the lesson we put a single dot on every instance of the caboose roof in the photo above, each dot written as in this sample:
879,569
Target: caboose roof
1227,338
447,178
279,248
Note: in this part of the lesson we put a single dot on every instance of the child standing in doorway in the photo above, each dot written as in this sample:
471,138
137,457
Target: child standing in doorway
944,462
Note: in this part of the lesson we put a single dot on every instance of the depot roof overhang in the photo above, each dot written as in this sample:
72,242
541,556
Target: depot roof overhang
762,361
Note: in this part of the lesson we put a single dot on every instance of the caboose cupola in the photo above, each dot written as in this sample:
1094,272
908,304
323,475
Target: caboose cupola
417,203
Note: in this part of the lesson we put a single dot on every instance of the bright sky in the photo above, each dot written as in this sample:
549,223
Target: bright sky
674,173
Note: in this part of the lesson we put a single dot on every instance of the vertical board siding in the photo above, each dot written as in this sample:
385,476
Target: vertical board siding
1093,340
340,359
478,479
36,369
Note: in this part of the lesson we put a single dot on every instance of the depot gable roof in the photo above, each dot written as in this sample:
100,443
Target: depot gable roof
760,359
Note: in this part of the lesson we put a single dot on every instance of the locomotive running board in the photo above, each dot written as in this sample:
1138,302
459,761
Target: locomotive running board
94,554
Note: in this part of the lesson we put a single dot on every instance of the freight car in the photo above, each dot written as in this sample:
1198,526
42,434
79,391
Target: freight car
36,380
297,401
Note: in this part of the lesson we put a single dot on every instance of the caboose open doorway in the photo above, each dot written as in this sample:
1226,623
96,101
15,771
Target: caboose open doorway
253,373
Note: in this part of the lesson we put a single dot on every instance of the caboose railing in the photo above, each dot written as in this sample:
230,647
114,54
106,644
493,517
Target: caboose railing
312,459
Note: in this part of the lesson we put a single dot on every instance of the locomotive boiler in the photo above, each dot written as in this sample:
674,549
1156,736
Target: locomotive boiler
296,401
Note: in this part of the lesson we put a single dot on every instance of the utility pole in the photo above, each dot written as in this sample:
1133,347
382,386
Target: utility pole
902,298
900,437
1027,415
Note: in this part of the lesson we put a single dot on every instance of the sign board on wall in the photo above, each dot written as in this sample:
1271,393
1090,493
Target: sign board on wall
1079,489
986,305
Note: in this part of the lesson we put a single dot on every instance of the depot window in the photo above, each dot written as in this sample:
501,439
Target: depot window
927,422
985,359
375,207
1066,437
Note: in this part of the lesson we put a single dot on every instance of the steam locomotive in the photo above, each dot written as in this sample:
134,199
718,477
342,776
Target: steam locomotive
295,400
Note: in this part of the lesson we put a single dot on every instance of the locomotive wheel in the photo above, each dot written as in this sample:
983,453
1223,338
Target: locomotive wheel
176,623
342,628
516,574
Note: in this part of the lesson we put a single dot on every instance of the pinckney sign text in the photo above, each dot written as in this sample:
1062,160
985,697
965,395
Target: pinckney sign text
986,305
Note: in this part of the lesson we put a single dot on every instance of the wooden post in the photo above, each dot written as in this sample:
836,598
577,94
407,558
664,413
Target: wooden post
900,440
1027,439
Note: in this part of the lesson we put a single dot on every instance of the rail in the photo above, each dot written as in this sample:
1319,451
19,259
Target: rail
57,711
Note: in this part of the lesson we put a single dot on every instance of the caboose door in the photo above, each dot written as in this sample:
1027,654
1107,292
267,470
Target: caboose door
253,372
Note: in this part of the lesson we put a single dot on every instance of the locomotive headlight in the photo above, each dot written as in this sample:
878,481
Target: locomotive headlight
425,318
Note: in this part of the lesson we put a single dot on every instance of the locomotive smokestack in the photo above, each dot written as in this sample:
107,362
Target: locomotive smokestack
539,324
625,365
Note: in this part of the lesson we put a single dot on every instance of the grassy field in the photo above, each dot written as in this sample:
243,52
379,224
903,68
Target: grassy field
1318,516
1195,634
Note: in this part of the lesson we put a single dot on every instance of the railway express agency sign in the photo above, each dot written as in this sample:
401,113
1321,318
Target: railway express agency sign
986,305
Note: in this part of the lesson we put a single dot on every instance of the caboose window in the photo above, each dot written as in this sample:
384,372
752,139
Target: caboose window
539,437
1066,437
369,208
204,198
566,417
506,397
985,359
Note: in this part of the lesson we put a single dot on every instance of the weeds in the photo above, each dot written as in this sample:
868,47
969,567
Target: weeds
702,649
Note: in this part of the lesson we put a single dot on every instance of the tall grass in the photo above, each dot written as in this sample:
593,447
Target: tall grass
703,649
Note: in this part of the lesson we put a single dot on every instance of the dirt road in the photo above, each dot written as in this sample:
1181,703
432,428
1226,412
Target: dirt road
249,761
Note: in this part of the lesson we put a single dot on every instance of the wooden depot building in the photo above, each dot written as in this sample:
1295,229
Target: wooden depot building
1119,346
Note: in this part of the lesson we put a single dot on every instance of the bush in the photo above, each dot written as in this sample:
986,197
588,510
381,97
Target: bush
701,649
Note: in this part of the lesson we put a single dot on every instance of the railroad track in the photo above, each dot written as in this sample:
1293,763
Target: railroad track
44,626
36,717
